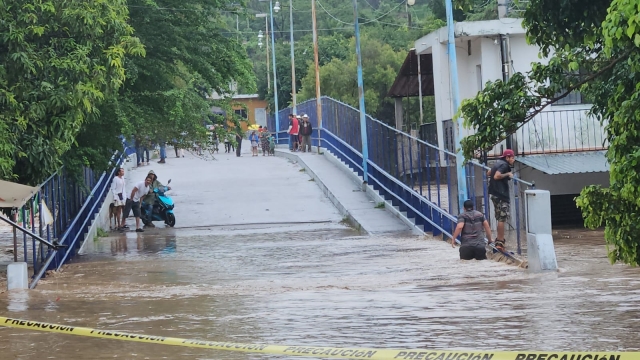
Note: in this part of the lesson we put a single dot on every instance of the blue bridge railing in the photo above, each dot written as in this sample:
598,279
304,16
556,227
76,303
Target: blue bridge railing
417,177
73,202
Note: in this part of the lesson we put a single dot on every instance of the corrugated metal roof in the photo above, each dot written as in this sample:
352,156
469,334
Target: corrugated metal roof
567,163
407,84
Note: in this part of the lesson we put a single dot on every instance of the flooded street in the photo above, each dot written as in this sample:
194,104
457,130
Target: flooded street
258,265
322,287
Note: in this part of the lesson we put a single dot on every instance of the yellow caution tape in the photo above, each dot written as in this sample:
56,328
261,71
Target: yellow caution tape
321,351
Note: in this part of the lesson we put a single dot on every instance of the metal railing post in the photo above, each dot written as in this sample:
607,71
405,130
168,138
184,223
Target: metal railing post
363,124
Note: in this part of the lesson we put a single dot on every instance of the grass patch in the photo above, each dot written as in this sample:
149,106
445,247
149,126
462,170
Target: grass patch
312,179
101,233
302,170
380,205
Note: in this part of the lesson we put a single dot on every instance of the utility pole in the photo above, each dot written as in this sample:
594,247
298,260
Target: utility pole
293,61
316,59
266,26
455,96
275,75
363,116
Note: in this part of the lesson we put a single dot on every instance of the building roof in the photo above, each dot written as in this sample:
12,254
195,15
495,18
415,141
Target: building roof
407,84
471,29
216,96
567,163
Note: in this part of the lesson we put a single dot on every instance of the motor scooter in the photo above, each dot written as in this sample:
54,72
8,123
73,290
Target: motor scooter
162,209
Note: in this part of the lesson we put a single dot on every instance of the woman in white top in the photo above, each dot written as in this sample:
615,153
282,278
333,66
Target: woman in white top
119,196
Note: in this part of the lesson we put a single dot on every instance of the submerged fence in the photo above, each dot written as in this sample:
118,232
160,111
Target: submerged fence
73,203
416,176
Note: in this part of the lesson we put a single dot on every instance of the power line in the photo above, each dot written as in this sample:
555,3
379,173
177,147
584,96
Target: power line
178,9
333,17
363,23
287,31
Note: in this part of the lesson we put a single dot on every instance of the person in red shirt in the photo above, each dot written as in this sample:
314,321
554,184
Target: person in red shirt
294,129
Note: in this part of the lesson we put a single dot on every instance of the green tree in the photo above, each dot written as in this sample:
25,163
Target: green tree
387,21
602,39
59,60
189,56
338,77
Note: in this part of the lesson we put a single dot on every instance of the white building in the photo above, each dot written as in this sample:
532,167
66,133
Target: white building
562,149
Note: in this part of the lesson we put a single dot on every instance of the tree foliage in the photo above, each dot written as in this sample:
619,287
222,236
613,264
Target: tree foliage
389,22
379,71
594,48
165,95
59,60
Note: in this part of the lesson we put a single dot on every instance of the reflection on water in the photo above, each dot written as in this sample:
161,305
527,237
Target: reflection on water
18,301
324,288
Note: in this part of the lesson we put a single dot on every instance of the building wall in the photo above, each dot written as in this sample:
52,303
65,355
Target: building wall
441,81
252,104
563,184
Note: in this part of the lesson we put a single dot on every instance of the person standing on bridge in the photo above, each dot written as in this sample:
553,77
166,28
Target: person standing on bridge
499,177
470,225
305,131
118,188
254,143
264,140
294,129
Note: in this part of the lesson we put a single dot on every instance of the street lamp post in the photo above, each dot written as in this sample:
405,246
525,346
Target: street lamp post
317,67
455,97
363,118
293,61
273,57
266,26
275,74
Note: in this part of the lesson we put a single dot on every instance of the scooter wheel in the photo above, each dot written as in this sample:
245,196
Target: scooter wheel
171,220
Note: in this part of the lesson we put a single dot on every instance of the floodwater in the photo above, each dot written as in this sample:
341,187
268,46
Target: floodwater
326,288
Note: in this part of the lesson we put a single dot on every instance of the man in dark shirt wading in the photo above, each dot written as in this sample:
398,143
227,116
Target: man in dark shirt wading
499,177
470,225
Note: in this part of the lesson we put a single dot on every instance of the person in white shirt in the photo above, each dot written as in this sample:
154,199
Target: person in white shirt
139,191
118,188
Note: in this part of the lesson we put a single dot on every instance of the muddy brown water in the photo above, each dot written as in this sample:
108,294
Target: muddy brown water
326,288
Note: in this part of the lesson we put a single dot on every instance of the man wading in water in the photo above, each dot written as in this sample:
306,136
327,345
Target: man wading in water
499,177
470,224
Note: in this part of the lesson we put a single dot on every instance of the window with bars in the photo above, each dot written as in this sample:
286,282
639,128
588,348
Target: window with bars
241,112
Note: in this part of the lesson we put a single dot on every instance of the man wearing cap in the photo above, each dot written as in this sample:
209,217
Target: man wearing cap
305,131
499,177
470,225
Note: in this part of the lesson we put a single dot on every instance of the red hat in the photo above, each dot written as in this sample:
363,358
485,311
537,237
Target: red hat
508,153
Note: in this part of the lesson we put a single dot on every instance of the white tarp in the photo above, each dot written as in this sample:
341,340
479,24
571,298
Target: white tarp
47,217
15,195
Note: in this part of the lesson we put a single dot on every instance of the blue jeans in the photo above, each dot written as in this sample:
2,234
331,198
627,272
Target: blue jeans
163,152
292,139
144,151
